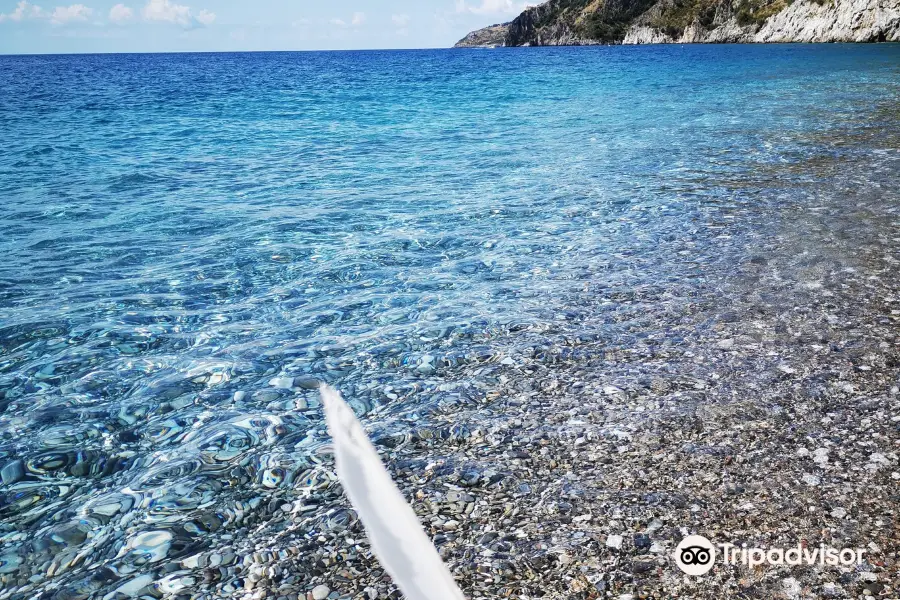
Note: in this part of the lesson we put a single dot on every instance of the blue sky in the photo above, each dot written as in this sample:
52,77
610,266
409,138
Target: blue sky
42,26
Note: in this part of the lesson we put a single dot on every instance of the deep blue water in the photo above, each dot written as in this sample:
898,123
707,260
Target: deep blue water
180,234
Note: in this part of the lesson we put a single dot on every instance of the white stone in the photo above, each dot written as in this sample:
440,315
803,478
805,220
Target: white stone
191,562
810,479
320,592
791,587
282,383
654,525
134,586
877,461
820,456
614,541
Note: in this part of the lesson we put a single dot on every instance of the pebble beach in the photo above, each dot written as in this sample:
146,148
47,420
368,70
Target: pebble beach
773,423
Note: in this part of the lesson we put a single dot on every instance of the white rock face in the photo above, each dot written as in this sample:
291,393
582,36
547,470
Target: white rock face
646,35
802,21
730,31
838,21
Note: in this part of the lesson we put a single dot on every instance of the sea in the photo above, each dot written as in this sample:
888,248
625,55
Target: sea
189,243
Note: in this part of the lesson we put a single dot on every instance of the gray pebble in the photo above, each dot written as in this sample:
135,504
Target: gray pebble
13,472
307,383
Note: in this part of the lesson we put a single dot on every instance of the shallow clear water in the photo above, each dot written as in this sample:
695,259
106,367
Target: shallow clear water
182,234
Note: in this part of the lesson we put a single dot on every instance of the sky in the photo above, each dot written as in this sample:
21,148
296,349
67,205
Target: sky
44,26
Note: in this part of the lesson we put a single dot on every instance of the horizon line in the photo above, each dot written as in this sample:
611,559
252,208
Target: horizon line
231,51
163,52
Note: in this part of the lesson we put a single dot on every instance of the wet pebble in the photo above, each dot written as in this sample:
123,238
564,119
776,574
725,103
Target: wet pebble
13,472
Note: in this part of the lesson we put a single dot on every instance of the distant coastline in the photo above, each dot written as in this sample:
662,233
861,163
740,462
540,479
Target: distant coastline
588,22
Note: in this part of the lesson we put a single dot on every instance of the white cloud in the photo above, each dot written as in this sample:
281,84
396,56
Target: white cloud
206,17
358,19
400,20
25,10
60,15
164,11
491,7
120,13
167,12
75,12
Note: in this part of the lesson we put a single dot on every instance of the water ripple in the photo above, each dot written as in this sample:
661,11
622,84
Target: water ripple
190,242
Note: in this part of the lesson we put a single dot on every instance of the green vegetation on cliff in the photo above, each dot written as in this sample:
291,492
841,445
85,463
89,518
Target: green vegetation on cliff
673,18
609,21
602,21
755,12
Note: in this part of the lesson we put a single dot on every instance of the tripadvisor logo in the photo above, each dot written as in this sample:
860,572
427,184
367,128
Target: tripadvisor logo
696,555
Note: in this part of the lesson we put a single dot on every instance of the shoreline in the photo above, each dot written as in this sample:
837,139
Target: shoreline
583,487
575,471
589,44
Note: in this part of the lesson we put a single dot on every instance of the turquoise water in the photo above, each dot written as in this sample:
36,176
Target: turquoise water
188,239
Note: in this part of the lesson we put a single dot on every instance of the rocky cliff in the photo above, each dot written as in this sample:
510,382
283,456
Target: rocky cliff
584,22
495,35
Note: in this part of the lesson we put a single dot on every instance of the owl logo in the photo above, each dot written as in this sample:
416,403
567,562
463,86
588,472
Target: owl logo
695,555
